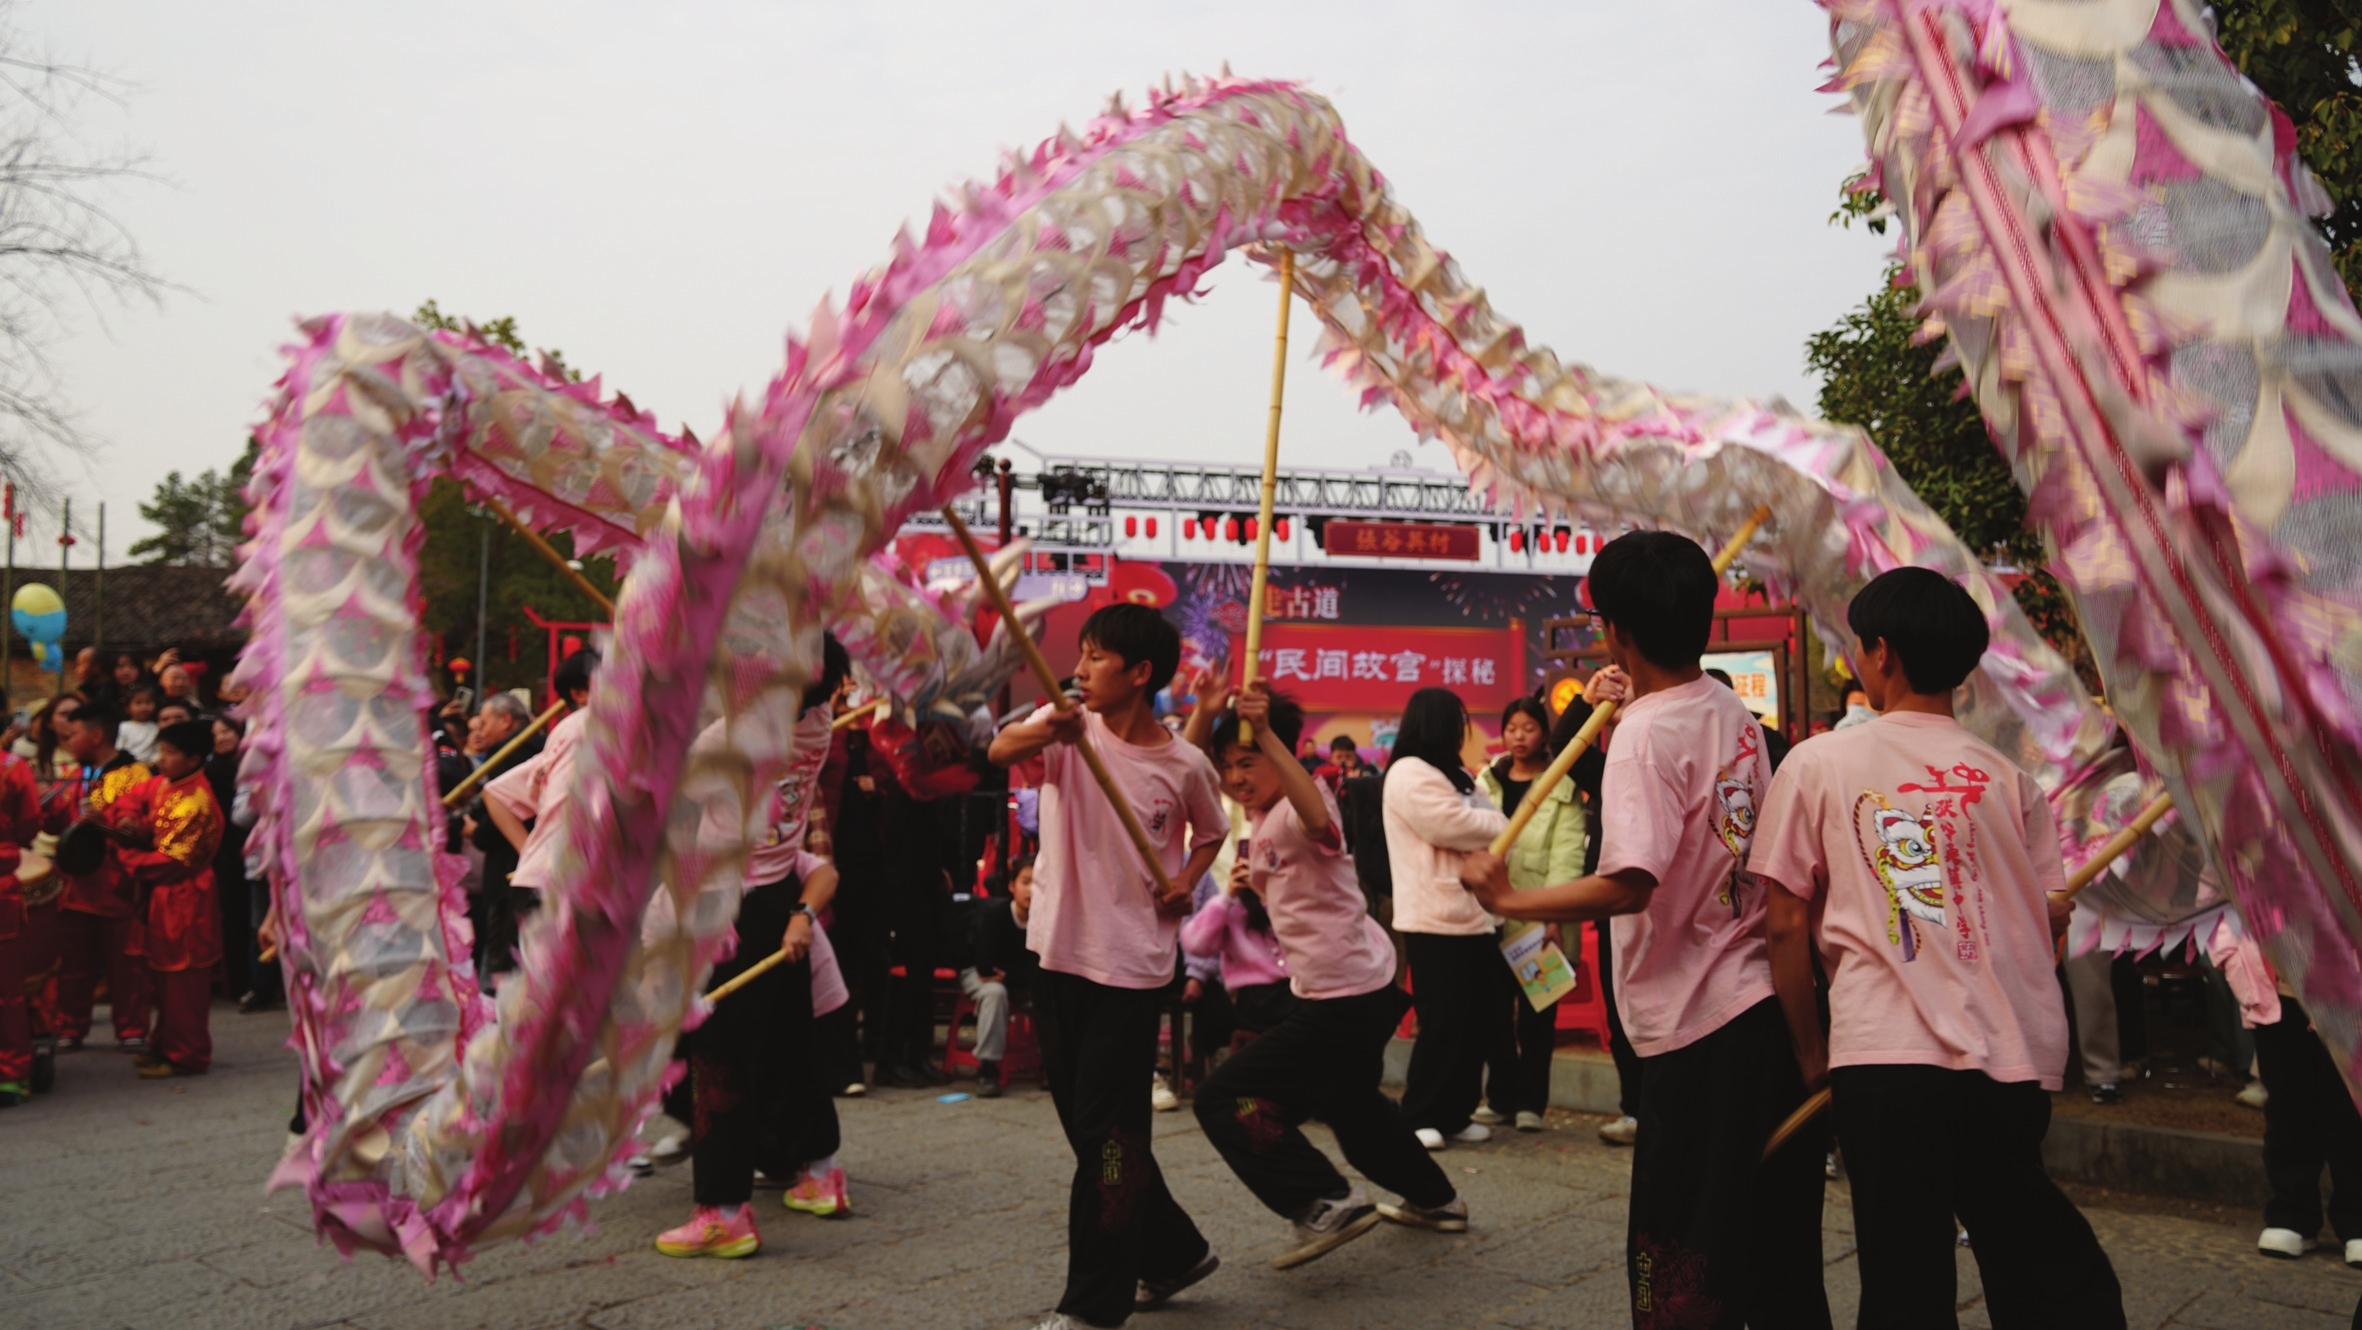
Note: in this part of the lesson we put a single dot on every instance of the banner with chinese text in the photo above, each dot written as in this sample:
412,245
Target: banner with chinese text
1331,668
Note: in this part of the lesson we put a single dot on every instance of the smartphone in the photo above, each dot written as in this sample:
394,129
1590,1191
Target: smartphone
465,697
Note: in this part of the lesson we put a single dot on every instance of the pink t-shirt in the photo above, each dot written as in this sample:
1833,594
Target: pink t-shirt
1685,772
1933,855
779,834
532,790
1094,901
1334,948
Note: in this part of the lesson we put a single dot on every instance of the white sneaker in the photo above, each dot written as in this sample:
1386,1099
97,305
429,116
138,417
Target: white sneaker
2285,1243
855,1090
1472,1134
1450,1217
2253,1095
2354,1253
1623,1131
1531,1122
1330,1224
671,1149
1161,1096
1486,1115
1429,1137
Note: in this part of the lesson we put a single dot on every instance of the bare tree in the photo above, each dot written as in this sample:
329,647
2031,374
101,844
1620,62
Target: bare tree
59,246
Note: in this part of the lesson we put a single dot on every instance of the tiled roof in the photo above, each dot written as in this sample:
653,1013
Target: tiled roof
148,607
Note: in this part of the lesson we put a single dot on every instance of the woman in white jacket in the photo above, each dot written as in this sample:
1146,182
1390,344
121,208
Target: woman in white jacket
1434,816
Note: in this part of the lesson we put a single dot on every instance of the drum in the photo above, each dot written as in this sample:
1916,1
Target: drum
39,878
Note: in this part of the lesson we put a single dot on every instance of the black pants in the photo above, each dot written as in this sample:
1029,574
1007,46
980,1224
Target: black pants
758,1098
1456,986
915,945
1322,1063
1122,1223
1720,1236
1517,1069
1618,1047
2309,1121
1923,1144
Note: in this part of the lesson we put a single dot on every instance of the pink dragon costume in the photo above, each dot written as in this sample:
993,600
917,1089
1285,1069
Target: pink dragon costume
438,1124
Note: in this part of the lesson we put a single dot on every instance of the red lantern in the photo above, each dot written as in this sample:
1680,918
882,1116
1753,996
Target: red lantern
1516,539
1562,539
1152,528
1279,527
1188,528
1253,524
1230,528
1131,527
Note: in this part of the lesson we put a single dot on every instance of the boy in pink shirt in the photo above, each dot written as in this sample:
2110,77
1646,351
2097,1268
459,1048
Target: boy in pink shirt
1717,1235
1107,942
1325,1060
1917,860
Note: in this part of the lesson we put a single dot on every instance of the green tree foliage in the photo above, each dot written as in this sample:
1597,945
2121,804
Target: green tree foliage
199,522
520,579
2302,54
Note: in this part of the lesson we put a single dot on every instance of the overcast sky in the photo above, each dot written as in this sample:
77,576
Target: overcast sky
663,191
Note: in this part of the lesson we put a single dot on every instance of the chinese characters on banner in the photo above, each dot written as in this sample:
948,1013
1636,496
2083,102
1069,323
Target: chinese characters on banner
1342,668
1402,540
1313,601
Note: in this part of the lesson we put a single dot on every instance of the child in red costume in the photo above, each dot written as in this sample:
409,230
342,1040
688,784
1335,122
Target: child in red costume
96,933
20,821
181,937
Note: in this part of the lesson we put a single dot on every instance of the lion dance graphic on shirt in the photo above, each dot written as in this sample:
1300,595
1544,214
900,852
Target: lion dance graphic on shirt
1900,848
1734,811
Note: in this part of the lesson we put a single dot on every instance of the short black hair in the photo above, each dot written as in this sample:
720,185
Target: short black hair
193,738
1927,619
574,673
103,718
834,666
1136,633
1343,741
1287,721
1659,588
1434,724
1722,677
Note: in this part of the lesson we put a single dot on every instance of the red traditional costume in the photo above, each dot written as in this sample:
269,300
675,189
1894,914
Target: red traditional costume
20,821
182,934
96,932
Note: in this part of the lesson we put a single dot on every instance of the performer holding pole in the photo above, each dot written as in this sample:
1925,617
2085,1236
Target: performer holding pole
1106,938
1923,867
2116,847
1710,1222
1324,1061
1279,382
1606,711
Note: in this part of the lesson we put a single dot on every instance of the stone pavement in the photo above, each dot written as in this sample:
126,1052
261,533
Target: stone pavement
126,1203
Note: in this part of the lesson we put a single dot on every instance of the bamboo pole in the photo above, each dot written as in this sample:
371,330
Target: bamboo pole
1049,682
1584,737
1279,383
459,790
548,551
877,708
2116,847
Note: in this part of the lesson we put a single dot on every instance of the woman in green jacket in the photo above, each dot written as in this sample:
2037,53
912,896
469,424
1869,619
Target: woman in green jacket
1549,850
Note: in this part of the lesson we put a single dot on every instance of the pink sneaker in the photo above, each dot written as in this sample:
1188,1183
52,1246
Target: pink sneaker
823,1196
712,1232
